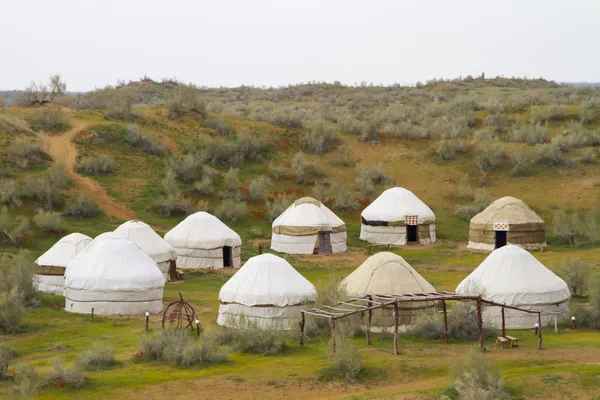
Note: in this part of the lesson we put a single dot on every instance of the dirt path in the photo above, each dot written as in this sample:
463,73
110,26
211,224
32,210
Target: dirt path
63,150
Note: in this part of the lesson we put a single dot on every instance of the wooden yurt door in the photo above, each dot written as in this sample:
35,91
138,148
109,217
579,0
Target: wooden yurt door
325,243
500,239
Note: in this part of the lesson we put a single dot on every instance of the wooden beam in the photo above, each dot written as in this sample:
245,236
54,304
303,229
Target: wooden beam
540,331
369,317
480,324
302,322
332,326
503,324
445,321
395,329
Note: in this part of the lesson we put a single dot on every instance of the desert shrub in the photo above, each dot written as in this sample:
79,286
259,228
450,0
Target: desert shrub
185,99
12,125
28,381
348,123
493,105
256,233
277,172
117,104
490,157
588,317
61,376
22,153
136,139
49,119
250,147
480,202
48,221
99,357
278,206
16,289
465,191
186,167
6,355
259,188
319,138
92,165
222,127
529,133
344,198
174,204
246,337
231,210
82,206
367,176
329,291
369,133
566,226
9,192
538,114
345,363
47,188
446,150
179,347
556,112
475,380
589,156
485,135
206,185
576,273
305,171
345,155
590,228
462,325
587,113
497,122
221,154
522,162
550,155
13,229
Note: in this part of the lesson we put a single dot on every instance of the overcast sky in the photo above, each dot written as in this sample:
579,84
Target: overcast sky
93,43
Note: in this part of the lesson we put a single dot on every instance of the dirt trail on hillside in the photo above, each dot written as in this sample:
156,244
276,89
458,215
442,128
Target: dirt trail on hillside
63,150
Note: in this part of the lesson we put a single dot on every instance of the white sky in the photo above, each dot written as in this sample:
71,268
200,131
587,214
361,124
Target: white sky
92,43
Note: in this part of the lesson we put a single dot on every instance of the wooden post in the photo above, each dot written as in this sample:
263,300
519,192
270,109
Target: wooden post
92,315
147,319
302,321
395,329
332,325
540,331
503,324
445,321
197,327
370,316
480,324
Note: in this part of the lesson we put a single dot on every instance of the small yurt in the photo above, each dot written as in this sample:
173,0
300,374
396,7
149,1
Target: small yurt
387,273
511,275
203,241
397,217
151,243
113,276
507,221
267,292
50,274
308,227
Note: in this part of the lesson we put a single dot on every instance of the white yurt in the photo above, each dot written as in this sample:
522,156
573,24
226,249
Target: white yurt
397,217
266,291
113,276
308,227
51,265
202,241
150,242
386,273
511,275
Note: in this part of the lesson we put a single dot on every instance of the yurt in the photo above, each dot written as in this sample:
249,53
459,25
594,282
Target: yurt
113,276
387,273
51,265
151,243
266,292
507,221
511,275
397,217
308,227
203,241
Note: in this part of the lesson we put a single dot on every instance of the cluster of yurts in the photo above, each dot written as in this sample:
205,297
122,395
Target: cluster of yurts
124,271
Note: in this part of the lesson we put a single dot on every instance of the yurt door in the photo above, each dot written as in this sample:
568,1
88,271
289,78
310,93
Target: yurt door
412,234
501,229
227,261
324,243
500,239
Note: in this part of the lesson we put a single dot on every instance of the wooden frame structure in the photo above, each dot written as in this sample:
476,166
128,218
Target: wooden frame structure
370,301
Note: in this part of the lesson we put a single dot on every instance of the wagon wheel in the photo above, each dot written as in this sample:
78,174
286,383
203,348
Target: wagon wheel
180,314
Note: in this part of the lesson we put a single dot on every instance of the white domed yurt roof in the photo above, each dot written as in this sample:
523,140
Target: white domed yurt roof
148,240
202,231
308,212
113,265
507,209
63,251
396,203
385,273
267,280
511,275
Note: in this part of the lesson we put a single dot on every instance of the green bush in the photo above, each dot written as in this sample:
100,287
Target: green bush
50,119
47,188
48,221
60,376
28,381
447,150
256,233
222,127
529,133
345,363
480,202
319,138
473,380
186,167
590,156
82,206
23,153
587,113
6,355
174,204
369,133
221,154
206,185
186,99
92,165
344,198
231,210
497,122
551,156
278,206
522,162
369,175
576,273
99,357
305,171
16,289
345,155
248,338
117,104
250,147
13,229
277,172
259,188
136,139
490,157
10,192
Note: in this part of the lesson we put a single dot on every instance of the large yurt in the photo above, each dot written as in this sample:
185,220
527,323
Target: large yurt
397,217
512,276
49,277
151,243
113,276
386,273
266,292
203,241
308,227
507,221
